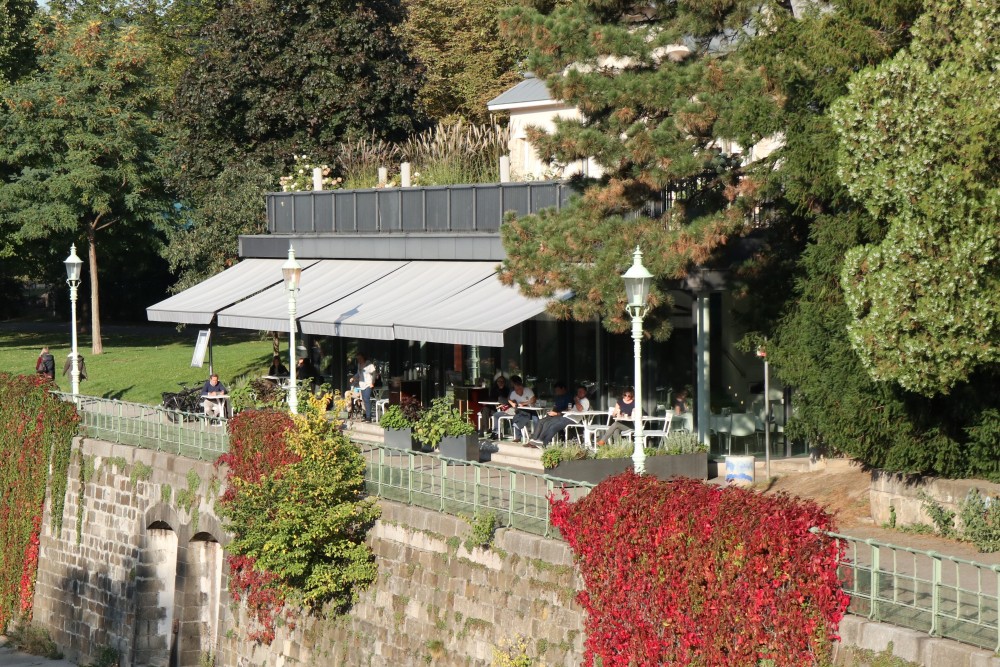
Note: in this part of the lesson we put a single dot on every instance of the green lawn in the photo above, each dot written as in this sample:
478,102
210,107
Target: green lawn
140,366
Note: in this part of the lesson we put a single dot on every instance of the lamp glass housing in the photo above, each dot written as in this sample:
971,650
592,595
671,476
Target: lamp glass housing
74,266
291,271
637,282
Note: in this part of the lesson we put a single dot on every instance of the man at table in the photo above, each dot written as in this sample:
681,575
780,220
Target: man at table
559,419
214,407
521,397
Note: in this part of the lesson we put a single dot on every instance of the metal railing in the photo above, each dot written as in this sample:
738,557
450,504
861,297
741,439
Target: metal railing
463,488
944,596
151,427
478,207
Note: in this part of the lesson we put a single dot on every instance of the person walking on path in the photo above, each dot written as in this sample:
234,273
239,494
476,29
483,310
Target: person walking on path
68,366
45,365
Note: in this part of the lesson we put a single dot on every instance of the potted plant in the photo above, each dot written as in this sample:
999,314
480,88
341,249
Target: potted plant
397,424
444,428
681,455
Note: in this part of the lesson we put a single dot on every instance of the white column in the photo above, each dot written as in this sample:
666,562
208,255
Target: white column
317,178
75,366
703,365
293,388
505,169
638,452
404,175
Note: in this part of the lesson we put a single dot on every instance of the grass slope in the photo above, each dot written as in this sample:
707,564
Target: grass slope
138,366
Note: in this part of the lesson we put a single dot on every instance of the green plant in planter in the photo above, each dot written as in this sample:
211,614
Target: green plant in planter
553,456
681,442
395,419
440,420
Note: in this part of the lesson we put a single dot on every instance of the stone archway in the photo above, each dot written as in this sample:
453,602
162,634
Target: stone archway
154,586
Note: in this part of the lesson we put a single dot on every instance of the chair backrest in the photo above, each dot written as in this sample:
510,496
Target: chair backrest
743,424
721,423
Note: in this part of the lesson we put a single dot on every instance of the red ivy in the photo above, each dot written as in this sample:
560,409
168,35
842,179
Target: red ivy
687,573
257,449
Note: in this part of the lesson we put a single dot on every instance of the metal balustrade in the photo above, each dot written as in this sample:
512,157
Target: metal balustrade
519,498
944,596
151,427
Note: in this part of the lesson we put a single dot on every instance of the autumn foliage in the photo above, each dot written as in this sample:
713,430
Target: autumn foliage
687,573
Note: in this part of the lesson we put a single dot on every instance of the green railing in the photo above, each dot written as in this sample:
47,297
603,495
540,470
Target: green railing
941,595
463,488
151,427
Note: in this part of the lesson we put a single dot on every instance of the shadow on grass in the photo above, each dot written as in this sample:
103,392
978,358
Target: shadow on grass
117,394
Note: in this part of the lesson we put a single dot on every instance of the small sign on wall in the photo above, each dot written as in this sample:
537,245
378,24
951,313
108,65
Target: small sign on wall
201,348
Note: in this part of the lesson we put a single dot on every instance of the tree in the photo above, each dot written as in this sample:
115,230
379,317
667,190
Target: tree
80,144
467,61
17,55
279,78
919,150
659,119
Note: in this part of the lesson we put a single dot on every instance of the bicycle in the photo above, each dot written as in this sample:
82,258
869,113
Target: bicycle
182,405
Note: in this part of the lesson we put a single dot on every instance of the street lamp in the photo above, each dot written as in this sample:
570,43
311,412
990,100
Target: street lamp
74,266
637,283
762,353
292,273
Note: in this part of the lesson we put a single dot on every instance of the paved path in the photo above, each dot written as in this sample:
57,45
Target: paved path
11,658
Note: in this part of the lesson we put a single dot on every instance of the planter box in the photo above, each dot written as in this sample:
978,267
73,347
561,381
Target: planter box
399,438
464,447
595,471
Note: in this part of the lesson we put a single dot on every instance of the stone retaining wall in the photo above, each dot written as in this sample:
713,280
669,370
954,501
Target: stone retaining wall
903,494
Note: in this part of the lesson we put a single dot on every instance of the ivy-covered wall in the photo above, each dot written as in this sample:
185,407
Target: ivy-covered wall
36,430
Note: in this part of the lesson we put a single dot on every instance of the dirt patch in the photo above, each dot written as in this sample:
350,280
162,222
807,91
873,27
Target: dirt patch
841,489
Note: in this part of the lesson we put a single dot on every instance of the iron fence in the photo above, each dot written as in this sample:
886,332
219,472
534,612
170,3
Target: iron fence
519,498
151,427
944,596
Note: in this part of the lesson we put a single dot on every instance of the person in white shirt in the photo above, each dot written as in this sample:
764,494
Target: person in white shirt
521,397
364,380
554,424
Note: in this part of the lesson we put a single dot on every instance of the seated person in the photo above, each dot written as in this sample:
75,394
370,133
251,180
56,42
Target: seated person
556,422
217,407
304,370
680,402
622,414
277,368
521,397
499,392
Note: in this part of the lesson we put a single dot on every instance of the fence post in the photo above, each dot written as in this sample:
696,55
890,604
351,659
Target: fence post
409,481
935,591
444,478
475,491
874,580
512,488
996,571
118,426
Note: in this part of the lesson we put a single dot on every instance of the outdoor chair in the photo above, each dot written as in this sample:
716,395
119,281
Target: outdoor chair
743,426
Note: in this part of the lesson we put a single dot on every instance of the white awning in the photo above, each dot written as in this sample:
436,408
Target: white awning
477,315
326,282
418,287
199,304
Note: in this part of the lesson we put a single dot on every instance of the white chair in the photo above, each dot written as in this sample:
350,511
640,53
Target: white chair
509,421
721,425
380,407
743,425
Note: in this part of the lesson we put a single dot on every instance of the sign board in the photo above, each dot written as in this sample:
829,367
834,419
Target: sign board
200,348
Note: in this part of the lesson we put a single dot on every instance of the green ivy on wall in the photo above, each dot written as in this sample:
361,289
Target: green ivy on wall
36,435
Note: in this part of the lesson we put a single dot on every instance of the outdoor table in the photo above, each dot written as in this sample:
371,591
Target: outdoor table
217,398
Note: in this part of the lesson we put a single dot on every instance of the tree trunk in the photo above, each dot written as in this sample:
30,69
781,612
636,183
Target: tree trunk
275,344
97,346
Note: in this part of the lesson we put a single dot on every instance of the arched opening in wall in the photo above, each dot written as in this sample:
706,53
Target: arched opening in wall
154,586
199,614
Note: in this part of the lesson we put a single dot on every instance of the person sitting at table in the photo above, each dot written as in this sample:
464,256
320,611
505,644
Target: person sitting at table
560,416
499,392
521,397
680,402
277,368
212,387
622,414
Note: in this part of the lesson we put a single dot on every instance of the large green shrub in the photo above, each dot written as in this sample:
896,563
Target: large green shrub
440,420
36,431
297,509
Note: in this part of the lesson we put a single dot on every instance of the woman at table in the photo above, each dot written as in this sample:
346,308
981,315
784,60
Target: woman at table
277,368
622,414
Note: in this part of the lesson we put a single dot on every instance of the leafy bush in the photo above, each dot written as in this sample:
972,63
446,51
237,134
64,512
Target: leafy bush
553,456
395,418
298,513
681,442
943,519
33,639
36,434
482,527
723,577
248,393
981,521
621,450
441,420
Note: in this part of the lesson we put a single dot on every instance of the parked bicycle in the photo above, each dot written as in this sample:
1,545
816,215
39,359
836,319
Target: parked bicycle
184,404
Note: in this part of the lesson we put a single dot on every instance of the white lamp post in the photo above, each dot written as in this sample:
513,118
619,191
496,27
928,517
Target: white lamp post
292,273
762,353
74,265
637,283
